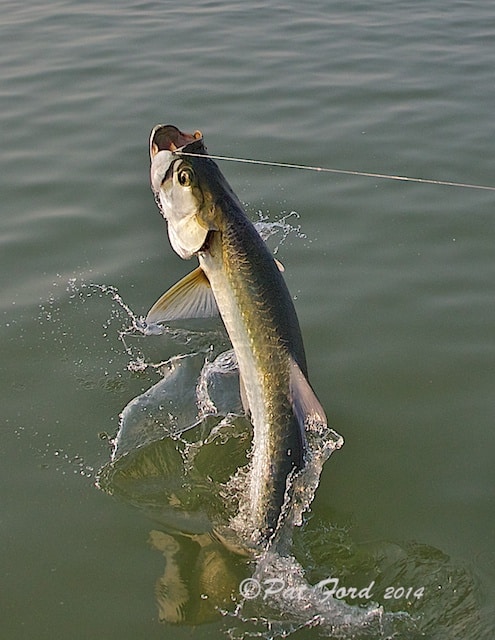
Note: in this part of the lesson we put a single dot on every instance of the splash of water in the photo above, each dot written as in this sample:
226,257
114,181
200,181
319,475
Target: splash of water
181,454
279,229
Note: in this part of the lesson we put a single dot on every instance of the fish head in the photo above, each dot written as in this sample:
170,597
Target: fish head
176,181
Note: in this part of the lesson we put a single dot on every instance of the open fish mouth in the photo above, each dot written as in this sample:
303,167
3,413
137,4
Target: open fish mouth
166,137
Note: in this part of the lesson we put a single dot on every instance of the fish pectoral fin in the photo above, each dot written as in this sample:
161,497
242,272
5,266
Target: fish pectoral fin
305,404
191,297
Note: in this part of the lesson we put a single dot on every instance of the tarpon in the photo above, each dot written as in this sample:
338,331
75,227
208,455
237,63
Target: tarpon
238,278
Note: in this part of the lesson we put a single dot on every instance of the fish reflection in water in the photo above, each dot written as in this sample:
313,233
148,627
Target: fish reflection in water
200,577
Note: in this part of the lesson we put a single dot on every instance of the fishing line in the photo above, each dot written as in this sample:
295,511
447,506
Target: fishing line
346,172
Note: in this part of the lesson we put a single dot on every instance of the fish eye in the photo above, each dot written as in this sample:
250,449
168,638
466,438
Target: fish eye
185,176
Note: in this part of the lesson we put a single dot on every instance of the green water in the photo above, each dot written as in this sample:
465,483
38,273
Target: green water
394,285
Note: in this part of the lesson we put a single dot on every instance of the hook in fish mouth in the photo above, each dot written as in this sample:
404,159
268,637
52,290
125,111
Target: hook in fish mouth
166,137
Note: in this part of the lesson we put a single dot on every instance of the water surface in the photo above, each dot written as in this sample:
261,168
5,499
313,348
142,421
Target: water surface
393,285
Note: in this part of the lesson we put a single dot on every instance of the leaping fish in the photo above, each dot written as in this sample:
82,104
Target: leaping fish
238,278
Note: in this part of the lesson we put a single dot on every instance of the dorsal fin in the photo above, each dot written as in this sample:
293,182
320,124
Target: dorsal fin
306,406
